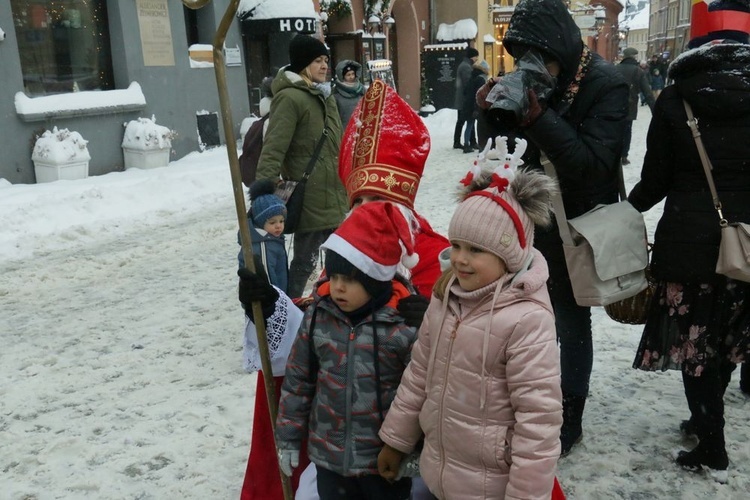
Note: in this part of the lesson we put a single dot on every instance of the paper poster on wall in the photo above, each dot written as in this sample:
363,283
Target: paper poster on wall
156,33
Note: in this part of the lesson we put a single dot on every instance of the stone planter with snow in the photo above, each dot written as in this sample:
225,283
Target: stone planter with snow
426,110
60,155
146,144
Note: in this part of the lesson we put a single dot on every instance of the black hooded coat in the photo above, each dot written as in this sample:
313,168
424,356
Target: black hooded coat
582,137
715,80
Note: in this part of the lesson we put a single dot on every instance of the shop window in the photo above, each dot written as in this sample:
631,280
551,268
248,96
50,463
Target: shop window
63,45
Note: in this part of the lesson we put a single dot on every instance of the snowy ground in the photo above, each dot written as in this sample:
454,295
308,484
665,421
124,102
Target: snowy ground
120,366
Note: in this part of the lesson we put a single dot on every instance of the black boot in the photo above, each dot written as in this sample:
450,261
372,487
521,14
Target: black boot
705,395
745,377
711,453
457,136
689,429
572,429
468,149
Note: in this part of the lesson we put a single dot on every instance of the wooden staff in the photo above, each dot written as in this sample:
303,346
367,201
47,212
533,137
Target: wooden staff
239,202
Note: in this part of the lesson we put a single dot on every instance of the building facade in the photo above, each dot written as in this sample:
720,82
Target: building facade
160,53
92,53
669,28
377,30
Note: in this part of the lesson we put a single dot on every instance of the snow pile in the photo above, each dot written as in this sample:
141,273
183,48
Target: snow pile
75,102
263,9
144,133
465,29
60,146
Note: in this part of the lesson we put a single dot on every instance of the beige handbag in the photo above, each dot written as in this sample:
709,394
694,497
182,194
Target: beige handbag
734,250
605,249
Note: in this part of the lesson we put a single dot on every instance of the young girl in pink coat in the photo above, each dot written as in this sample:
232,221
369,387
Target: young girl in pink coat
483,384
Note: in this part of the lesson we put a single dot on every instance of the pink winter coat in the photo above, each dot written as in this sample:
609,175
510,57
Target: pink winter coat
483,385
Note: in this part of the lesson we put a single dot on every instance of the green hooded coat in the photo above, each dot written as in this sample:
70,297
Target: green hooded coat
299,114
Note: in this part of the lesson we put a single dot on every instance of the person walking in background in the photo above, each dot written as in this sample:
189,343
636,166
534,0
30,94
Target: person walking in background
657,82
486,362
644,67
470,109
580,127
348,358
348,88
699,321
657,63
637,81
302,112
463,75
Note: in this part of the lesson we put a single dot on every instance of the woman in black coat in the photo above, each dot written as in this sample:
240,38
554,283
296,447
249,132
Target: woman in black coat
580,127
698,320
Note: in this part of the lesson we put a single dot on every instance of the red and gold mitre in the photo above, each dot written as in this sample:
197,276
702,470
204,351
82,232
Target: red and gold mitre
384,148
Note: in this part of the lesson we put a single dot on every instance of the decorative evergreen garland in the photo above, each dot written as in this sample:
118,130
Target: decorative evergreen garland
371,7
336,8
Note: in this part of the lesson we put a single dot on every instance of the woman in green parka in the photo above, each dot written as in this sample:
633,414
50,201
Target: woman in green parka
302,110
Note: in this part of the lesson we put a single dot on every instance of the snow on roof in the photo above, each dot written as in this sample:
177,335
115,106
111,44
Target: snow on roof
447,46
464,29
276,9
639,21
79,103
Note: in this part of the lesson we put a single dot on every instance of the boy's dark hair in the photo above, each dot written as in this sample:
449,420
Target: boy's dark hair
336,264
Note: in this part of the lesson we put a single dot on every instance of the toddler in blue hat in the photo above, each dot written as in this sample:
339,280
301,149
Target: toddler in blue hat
266,222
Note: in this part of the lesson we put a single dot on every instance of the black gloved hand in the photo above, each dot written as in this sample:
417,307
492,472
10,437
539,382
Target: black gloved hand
536,109
254,287
412,309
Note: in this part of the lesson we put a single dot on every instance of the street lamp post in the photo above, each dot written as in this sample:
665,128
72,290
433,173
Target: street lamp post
377,24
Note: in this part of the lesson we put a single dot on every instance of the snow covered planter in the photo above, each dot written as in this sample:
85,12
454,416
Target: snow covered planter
146,144
426,110
60,154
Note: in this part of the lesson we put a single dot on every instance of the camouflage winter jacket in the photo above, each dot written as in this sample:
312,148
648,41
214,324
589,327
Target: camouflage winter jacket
329,393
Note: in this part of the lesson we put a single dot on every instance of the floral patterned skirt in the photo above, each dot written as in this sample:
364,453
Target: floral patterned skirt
688,324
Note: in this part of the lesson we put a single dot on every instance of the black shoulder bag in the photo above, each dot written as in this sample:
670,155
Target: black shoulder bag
293,192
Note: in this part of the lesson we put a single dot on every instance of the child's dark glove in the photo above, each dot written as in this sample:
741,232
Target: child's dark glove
412,309
254,287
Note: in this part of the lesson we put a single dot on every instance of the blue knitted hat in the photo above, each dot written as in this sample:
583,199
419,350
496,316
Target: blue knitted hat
263,203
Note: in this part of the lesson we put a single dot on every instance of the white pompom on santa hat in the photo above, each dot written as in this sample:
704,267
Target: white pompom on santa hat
375,238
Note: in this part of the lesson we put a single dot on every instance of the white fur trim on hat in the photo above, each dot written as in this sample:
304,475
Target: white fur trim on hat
358,259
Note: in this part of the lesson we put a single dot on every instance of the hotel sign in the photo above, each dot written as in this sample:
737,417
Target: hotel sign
281,25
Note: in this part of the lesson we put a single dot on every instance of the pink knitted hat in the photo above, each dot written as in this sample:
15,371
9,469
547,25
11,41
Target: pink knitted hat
500,208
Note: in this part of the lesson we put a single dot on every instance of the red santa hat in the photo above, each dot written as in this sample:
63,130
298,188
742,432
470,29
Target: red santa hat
375,238
384,148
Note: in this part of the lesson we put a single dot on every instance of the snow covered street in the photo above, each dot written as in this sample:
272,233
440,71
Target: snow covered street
120,367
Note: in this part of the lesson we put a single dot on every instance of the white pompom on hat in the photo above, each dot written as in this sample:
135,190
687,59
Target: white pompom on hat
375,238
